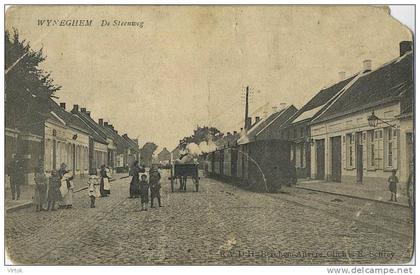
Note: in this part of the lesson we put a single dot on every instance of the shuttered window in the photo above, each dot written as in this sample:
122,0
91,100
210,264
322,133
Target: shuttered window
350,152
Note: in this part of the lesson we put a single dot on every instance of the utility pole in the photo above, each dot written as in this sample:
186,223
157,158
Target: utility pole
246,126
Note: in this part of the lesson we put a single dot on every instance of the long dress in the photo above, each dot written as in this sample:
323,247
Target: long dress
104,184
40,195
54,193
68,186
93,186
135,182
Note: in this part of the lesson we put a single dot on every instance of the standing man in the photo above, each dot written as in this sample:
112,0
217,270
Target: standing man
17,175
154,182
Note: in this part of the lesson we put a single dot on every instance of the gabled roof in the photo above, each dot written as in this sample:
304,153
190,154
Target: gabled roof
68,118
227,141
132,143
385,84
262,124
94,128
114,135
320,101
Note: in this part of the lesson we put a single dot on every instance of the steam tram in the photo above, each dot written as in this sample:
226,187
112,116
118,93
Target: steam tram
261,165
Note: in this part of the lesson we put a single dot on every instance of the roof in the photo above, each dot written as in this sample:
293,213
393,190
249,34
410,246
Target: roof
227,141
70,119
114,135
133,145
262,124
94,128
387,83
322,99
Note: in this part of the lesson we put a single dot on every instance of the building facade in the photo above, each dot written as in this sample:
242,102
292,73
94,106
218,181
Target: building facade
347,148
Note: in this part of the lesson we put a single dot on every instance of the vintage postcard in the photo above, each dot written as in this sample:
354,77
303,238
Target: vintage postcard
208,135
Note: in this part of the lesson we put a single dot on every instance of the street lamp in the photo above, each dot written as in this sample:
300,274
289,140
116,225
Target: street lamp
373,120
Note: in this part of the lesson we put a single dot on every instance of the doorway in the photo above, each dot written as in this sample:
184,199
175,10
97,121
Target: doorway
320,159
336,159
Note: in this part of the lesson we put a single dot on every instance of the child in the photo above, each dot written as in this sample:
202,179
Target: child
93,187
40,189
154,180
392,185
144,192
54,193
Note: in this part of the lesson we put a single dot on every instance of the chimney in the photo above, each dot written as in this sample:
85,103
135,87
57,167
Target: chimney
228,133
248,123
83,110
88,113
341,75
274,109
405,46
76,107
235,132
257,118
105,123
367,65
63,105
101,121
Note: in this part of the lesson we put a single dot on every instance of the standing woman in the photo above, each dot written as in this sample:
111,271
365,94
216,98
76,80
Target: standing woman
54,193
135,180
40,195
104,184
67,184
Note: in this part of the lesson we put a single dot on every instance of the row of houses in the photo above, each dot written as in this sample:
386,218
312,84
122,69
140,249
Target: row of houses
359,129
72,137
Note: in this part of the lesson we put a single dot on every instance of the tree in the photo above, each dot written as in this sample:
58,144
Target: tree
146,153
28,88
201,134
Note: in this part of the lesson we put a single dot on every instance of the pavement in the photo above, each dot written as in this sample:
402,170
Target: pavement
367,190
219,225
27,193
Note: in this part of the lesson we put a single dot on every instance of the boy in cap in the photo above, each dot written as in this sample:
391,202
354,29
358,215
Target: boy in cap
154,180
144,192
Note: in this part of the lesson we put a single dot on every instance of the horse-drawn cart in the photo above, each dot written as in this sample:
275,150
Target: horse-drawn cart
180,172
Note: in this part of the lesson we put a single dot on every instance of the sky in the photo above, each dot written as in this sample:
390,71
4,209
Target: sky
189,65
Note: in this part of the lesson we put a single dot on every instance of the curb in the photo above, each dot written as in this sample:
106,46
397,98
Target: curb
20,206
30,203
352,196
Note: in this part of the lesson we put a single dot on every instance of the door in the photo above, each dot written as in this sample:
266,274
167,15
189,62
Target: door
54,155
359,157
336,159
320,159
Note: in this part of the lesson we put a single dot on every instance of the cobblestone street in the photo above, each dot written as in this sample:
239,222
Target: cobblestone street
221,224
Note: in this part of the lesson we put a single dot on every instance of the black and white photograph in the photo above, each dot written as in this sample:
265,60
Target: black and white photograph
209,135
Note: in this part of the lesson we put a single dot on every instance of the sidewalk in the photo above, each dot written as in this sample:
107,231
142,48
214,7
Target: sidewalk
27,192
368,191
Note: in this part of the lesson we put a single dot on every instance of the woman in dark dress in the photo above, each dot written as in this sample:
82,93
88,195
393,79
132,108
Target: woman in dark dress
135,180
104,181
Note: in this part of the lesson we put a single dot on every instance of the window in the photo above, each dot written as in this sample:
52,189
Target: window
390,144
371,149
350,151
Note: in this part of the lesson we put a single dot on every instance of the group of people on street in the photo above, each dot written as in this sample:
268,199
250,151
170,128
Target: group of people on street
59,188
140,185
99,186
56,189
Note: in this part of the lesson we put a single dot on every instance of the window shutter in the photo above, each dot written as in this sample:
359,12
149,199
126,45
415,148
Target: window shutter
380,152
353,141
364,144
344,151
395,149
